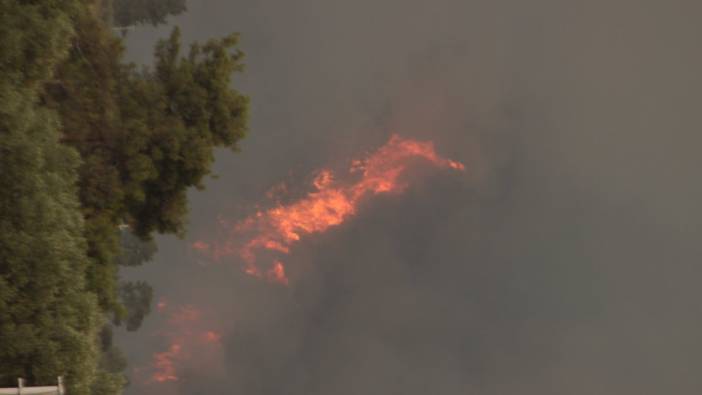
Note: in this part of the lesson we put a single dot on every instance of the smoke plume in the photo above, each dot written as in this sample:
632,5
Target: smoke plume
565,260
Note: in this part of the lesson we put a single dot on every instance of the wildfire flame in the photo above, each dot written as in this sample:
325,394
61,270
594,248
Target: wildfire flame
164,364
277,273
187,334
331,203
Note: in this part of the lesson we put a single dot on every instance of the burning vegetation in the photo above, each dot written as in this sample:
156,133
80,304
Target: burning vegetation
190,333
332,200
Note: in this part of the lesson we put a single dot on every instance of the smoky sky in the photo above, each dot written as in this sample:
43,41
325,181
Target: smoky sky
564,261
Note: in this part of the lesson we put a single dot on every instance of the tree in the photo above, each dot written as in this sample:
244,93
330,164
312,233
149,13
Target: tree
107,383
133,250
146,136
155,12
187,108
88,143
34,37
48,316
137,298
109,379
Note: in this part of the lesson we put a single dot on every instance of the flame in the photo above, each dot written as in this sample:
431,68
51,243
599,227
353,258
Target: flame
274,231
332,202
185,314
276,273
187,336
201,245
211,337
164,366
323,179
276,191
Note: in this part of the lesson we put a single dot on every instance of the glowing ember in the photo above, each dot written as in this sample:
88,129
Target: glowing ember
331,203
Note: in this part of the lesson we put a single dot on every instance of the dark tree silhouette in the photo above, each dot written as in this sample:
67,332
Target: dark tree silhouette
155,12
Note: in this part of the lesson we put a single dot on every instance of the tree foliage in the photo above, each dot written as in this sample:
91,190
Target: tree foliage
87,145
155,12
34,37
145,136
48,315
110,378
133,250
137,298
185,107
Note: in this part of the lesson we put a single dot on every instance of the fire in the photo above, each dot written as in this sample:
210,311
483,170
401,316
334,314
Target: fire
188,335
163,364
276,273
201,245
211,337
323,179
184,315
333,201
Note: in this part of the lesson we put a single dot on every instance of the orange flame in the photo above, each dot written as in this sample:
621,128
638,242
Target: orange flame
164,366
276,273
185,314
201,245
186,335
330,204
211,337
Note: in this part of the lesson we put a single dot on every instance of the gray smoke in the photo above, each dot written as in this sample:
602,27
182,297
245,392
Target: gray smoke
565,261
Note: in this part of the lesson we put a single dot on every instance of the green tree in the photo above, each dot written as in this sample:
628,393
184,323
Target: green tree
133,250
155,12
110,378
186,107
137,298
108,383
48,317
146,136
88,143
34,37
82,92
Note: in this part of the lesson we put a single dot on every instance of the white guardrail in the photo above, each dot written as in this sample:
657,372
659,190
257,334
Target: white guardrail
46,390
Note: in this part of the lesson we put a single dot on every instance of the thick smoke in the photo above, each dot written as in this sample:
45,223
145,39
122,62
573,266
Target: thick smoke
565,260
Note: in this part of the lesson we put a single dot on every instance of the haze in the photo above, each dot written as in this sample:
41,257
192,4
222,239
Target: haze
565,260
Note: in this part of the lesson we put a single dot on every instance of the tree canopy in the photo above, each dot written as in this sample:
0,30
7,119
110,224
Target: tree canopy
48,316
131,12
96,155
134,251
136,297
